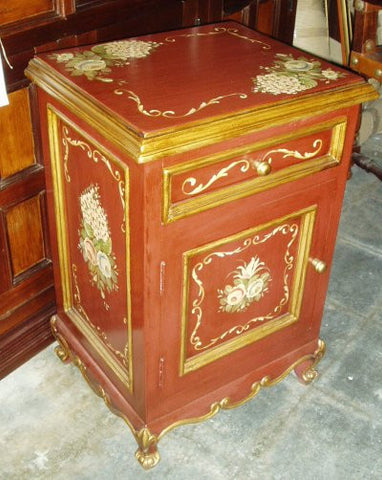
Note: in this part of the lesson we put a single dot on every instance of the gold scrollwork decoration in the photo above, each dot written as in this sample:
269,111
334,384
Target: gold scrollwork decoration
77,303
147,453
247,164
267,381
317,145
62,349
170,113
219,31
94,155
258,239
191,181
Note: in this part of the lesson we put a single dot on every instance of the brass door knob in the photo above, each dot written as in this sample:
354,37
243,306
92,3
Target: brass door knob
263,168
318,265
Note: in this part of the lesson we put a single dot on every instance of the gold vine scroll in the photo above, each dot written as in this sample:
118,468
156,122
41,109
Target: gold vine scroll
170,113
246,165
96,156
284,229
218,31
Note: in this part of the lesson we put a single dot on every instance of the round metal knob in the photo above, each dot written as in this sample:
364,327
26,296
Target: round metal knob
263,168
318,265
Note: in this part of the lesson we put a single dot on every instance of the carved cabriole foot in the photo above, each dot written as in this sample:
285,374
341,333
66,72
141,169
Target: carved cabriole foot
147,453
62,350
306,371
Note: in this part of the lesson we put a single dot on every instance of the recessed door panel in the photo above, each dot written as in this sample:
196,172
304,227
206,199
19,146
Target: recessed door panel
241,288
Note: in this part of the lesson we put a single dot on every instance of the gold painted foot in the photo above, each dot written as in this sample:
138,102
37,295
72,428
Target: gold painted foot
306,371
62,350
147,453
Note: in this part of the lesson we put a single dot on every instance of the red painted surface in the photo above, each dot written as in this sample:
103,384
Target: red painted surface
188,68
178,75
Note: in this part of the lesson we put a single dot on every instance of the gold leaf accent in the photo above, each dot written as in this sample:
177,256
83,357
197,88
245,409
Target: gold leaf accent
191,181
170,113
317,144
197,310
266,158
92,154
147,453
219,31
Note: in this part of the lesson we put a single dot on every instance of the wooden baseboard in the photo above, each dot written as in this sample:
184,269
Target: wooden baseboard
25,341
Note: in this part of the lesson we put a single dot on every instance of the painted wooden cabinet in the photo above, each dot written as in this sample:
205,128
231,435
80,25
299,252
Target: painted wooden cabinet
195,181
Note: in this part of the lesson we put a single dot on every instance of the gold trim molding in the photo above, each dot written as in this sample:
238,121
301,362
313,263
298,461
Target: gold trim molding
70,291
150,146
313,162
247,164
147,453
241,336
170,113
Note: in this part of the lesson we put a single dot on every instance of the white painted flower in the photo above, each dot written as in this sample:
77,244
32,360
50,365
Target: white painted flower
64,57
277,84
257,286
93,213
104,264
330,74
298,65
90,65
250,284
235,294
129,49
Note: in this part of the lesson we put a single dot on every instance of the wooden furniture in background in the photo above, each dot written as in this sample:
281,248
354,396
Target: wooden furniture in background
26,285
366,55
192,260
272,17
366,59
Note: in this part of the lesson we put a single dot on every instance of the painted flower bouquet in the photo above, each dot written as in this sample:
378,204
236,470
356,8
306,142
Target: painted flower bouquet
95,242
250,283
290,76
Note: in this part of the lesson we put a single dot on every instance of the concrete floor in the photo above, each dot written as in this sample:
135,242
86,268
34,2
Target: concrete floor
53,427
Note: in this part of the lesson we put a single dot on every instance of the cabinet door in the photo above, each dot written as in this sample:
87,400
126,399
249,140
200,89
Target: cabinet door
240,290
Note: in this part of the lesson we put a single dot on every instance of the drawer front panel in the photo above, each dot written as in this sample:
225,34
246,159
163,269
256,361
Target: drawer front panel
242,288
208,182
91,198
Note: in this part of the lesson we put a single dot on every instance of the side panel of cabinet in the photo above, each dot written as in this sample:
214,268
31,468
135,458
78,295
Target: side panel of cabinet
26,287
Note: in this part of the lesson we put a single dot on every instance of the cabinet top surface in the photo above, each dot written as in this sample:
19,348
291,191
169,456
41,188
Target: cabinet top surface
170,92
166,80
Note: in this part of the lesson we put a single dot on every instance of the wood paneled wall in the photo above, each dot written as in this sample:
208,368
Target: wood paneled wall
26,284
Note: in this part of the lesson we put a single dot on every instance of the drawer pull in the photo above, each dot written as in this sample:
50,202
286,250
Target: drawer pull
262,168
318,265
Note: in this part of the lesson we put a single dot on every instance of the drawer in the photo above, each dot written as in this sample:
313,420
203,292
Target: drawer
204,183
